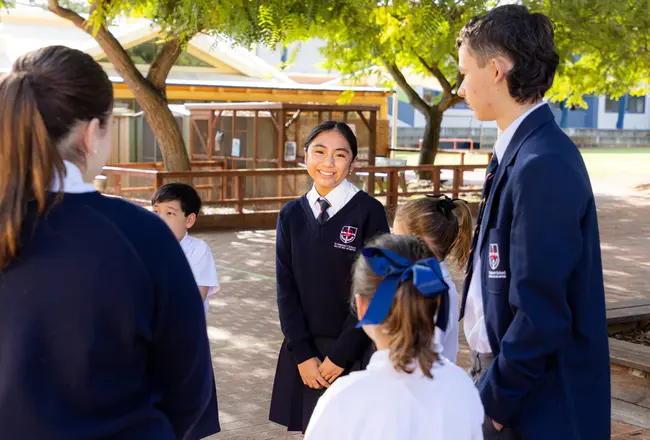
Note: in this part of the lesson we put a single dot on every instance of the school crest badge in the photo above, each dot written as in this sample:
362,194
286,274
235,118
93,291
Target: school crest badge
493,256
348,234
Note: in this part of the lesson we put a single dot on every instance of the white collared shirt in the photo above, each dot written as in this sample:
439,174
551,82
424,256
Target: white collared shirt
73,181
201,261
338,198
382,403
474,321
446,342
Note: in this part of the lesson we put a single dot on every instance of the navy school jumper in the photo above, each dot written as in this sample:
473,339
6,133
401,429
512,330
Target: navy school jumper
313,269
102,330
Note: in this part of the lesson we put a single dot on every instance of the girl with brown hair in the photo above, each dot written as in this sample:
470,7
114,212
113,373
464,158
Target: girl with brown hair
407,391
102,331
446,226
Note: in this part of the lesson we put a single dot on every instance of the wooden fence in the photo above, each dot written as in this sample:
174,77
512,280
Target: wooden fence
228,188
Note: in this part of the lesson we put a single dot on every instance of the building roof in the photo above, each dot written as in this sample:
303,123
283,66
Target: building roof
265,85
25,28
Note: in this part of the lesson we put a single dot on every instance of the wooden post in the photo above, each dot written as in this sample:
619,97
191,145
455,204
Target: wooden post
320,116
256,148
372,150
457,178
158,182
295,176
233,128
239,193
118,185
436,181
297,122
210,143
345,117
392,194
282,119
192,128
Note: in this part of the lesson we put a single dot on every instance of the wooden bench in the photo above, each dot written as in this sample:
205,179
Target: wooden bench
622,312
622,316
629,355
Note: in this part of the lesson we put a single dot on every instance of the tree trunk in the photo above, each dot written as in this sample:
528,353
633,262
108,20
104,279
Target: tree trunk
156,112
150,94
164,127
430,140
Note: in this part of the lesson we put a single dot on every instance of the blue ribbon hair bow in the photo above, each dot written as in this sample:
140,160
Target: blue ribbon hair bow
426,275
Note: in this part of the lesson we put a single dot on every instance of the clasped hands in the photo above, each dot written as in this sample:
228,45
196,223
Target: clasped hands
316,374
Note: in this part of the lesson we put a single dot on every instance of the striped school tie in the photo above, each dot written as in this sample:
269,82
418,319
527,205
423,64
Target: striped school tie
489,178
323,216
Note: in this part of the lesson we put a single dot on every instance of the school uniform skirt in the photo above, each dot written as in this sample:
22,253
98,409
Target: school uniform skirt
292,402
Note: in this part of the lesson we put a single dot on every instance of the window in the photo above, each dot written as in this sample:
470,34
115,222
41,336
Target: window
146,52
635,104
430,96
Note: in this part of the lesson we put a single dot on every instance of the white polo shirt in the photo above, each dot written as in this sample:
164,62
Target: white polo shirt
201,261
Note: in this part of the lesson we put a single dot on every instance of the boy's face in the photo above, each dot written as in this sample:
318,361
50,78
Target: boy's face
483,87
172,214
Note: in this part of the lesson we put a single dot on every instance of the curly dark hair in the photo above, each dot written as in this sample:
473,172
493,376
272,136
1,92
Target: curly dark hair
523,37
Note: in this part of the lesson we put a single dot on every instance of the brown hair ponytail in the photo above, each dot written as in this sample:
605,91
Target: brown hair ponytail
28,160
47,92
459,250
445,224
410,321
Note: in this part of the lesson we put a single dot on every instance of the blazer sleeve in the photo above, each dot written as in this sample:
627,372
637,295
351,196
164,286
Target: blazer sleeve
180,364
546,241
292,317
353,342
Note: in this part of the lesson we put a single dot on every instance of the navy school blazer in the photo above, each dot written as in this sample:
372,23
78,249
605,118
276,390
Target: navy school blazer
543,292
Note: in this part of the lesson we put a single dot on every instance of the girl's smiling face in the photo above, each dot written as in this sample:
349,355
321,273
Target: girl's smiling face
329,160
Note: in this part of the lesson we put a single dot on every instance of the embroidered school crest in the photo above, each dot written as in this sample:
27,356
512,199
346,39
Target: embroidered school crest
493,256
348,234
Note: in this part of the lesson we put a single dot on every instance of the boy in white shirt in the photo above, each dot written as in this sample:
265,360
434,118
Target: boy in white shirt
178,205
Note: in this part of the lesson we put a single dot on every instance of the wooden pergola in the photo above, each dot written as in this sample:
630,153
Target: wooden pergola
283,116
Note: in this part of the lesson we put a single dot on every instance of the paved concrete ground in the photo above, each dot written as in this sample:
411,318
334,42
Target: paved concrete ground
244,330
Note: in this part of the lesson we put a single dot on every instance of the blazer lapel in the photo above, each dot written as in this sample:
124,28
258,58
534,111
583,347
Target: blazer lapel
531,123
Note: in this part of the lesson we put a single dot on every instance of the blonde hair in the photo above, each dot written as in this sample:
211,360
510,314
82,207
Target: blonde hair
445,224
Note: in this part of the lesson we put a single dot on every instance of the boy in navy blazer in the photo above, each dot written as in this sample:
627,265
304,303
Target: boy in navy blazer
533,301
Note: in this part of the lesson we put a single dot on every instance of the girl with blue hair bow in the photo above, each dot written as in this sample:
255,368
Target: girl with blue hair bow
407,391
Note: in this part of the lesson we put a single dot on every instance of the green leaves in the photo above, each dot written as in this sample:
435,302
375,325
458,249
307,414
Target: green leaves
604,47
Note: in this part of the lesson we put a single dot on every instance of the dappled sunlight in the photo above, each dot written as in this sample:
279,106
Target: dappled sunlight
244,328
218,334
615,273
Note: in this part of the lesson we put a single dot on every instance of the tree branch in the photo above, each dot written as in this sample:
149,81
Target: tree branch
54,7
449,101
164,61
414,99
458,82
433,69
111,47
